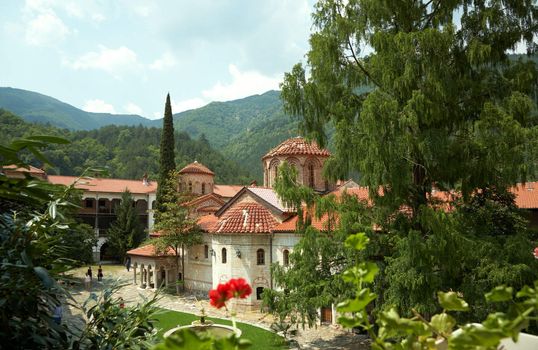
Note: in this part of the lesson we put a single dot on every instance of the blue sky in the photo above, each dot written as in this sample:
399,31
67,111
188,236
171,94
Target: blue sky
123,56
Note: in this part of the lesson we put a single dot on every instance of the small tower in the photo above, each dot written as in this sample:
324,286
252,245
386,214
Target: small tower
306,157
196,178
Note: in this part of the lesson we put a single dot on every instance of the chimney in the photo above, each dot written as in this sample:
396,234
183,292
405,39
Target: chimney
145,181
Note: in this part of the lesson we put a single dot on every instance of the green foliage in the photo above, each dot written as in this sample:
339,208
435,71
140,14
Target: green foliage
125,151
445,107
187,339
78,242
110,326
395,332
127,231
167,158
33,255
314,277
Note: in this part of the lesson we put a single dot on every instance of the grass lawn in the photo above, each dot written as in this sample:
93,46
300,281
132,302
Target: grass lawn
260,338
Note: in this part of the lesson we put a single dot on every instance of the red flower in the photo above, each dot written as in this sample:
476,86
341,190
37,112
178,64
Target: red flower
536,252
239,288
218,297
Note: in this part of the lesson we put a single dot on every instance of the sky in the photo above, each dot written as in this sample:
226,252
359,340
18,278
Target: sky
123,56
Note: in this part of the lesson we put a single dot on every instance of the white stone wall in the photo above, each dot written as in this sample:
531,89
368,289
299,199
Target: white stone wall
281,242
198,268
244,266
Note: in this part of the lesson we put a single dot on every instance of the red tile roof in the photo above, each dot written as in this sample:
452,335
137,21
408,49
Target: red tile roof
105,185
148,250
297,146
226,191
196,168
207,222
203,198
526,195
245,218
30,169
290,224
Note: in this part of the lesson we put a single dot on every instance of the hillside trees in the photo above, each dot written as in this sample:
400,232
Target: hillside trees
445,107
127,231
126,152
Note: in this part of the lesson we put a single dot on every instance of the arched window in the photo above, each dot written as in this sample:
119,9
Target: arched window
224,257
203,188
260,257
88,203
190,186
286,257
311,175
259,291
206,251
275,173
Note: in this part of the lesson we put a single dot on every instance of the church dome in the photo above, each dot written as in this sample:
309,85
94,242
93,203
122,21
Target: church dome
297,146
196,168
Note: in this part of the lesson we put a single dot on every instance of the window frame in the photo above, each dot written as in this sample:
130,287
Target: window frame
260,257
224,256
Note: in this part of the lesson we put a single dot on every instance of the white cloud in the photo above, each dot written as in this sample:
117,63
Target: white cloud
98,17
187,104
167,60
112,61
98,106
243,84
80,10
157,115
132,108
46,29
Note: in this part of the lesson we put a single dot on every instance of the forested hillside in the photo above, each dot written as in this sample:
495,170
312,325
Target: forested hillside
125,151
39,108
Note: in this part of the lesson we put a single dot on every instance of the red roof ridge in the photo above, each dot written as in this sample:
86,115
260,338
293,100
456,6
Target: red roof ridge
297,146
196,168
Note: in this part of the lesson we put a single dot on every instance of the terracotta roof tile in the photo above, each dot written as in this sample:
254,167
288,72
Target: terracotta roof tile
148,250
226,191
196,168
30,169
207,222
105,185
203,198
245,218
290,224
297,146
526,195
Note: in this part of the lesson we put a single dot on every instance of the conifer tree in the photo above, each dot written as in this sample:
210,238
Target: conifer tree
422,94
127,231
167,161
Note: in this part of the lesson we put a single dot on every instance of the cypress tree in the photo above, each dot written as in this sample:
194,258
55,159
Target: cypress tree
167,162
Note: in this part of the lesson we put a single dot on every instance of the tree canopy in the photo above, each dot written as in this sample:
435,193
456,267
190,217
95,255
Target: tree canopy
127,231
424,96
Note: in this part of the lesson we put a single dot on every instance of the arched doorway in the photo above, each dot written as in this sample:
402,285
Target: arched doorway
105,254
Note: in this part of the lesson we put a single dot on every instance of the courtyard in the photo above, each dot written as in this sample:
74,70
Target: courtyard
183,309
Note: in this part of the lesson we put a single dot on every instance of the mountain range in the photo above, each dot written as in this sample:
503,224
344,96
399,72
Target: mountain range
242,130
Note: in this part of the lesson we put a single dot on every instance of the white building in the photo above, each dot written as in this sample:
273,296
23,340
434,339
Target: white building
248,233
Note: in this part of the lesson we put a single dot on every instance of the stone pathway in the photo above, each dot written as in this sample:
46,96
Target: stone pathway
322,337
